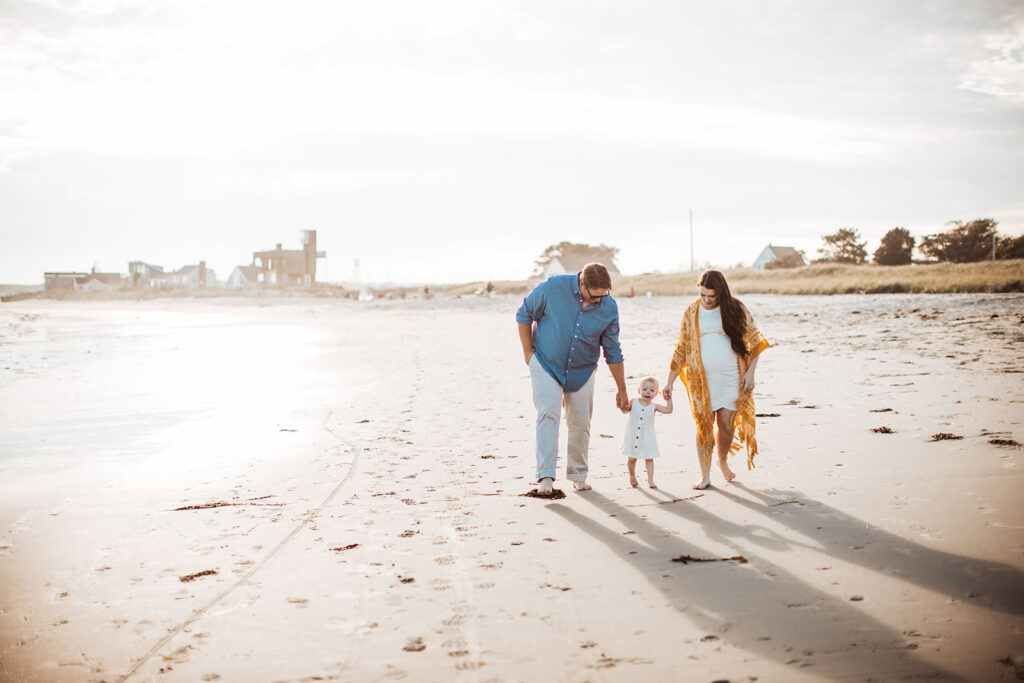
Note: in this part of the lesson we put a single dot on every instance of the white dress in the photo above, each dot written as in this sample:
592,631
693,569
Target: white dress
720,363
640,441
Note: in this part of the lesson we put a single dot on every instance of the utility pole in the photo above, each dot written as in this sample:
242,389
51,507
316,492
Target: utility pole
993,245
691,240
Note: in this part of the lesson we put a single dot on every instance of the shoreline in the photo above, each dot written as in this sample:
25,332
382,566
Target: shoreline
823,279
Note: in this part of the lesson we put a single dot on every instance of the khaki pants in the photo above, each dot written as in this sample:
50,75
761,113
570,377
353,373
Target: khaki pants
548,396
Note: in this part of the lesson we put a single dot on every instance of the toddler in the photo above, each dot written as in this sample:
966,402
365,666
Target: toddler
640,442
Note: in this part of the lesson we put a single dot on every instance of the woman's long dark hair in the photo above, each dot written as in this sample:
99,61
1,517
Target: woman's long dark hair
733,321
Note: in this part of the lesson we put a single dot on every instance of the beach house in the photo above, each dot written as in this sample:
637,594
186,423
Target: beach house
572,260
99,282
244,277
281,267
142,275
773,253
57,284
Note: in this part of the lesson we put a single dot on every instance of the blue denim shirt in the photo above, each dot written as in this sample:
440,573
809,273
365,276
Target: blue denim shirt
567,337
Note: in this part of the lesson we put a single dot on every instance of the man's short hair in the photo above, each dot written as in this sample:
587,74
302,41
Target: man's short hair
595,276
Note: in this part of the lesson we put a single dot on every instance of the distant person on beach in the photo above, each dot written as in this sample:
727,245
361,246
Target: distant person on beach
716,355
640,441
564,323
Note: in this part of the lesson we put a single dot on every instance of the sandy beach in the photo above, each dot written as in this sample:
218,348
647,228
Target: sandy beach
297,490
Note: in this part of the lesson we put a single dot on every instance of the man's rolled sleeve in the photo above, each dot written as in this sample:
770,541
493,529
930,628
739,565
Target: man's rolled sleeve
610,343
532,307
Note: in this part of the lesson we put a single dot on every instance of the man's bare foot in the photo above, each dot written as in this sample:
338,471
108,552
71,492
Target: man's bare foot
633,482
702,484
547,487
581,486
651,484
726,472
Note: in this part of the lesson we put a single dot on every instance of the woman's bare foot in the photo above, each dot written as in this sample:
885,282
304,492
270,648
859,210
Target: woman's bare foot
726,472
702,484
547,487
633,482
581,486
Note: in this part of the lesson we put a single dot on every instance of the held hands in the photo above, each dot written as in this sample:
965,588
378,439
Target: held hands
667,393
748,382
622,401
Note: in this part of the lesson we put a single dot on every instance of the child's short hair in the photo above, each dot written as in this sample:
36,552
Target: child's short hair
651,379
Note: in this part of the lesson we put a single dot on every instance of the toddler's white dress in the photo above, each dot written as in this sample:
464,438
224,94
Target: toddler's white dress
640,441
720,363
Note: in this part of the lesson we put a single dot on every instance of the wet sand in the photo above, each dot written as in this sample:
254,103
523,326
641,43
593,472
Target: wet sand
329,490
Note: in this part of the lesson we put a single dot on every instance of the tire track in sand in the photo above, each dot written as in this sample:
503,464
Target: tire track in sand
302,523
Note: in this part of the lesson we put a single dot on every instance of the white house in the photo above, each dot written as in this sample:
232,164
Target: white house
772,252
573,263
243,277
99,282
145,275
193,277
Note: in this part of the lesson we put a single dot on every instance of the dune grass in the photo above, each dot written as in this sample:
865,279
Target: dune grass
833,278
821,278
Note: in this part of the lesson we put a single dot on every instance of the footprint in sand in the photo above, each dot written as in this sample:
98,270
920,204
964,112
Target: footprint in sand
415,645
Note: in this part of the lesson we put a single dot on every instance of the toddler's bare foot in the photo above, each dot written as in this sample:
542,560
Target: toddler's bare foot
581,486
547,486
702,484
726,472
633,482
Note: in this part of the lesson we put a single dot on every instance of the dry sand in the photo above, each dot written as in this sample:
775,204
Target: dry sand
356,471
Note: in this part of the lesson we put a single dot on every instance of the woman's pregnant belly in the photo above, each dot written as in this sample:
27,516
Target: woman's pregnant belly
717,355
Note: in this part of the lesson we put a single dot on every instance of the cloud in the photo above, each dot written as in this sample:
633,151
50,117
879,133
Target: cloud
198,80
1001,72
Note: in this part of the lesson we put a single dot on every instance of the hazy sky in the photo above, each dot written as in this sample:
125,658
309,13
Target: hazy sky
450,140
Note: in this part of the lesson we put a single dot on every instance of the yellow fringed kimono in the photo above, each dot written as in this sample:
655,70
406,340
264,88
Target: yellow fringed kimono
686,362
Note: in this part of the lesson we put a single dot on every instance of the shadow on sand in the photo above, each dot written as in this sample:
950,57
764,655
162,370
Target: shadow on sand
765,610
992,585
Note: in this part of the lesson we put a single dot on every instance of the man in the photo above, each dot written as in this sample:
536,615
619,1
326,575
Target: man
563,325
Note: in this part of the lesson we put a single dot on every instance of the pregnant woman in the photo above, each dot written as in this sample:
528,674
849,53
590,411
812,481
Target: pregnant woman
716,355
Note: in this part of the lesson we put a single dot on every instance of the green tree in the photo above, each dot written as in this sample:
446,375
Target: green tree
896,249
843,246
573,253
1010,247
966,243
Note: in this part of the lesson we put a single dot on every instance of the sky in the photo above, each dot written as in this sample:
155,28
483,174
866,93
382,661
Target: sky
454,140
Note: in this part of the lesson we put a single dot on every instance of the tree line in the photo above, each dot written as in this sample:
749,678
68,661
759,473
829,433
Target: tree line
966,242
